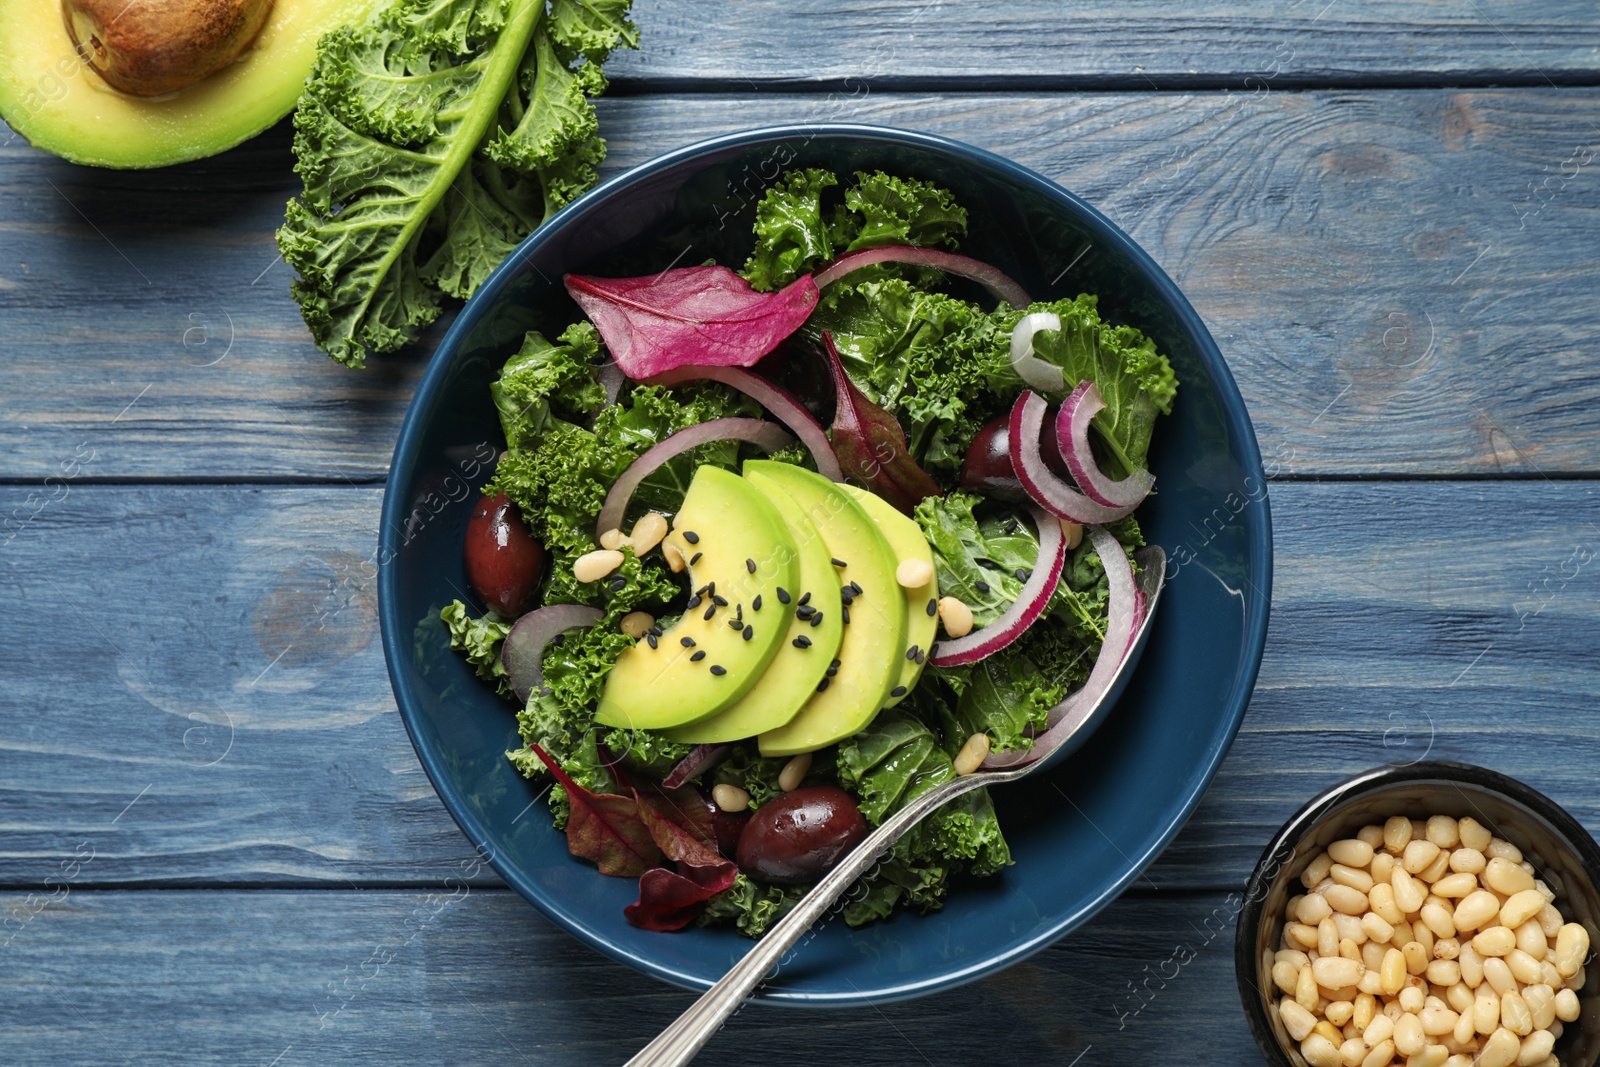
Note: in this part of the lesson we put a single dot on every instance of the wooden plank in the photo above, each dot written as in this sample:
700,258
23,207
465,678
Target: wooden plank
1097,42
239,728
1399,280
293,978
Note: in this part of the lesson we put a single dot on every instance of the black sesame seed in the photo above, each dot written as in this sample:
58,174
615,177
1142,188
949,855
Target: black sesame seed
655,630
816,620
855,587
691,537
911,653
844,611
831,671
654,641
749,632
898,691
1023,574
783,595
922,657
694,602
750,565
933,606
735,624
718,669
703,590
695,558
719,600
801,642
558,639
698,656
805,611
982,587
834,662
822,685
686,642
805,600
618,584
839,563
755,605
711,609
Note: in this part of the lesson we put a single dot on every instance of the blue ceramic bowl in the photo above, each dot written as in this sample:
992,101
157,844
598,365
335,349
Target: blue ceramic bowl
1080,833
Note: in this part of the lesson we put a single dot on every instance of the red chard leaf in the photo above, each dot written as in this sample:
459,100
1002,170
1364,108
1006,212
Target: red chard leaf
680,823
605,828
870,444
690,316
671,901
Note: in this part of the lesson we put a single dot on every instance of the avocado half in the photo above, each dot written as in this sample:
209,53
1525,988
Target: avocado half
52,98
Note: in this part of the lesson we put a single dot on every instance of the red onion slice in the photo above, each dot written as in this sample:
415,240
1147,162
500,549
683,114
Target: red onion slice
777,400
1056,496
610,377
1030,368
1122,624
523,650
1072,437
993,279
1029,605
765,435
699,758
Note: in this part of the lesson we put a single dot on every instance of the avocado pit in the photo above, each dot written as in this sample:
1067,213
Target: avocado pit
151,47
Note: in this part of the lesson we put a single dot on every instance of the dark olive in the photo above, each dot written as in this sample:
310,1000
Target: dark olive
503,562
729,825
988,468
795,839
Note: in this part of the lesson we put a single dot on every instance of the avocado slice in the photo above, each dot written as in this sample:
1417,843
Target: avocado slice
55,100
739,549
874,641
808,648
922,612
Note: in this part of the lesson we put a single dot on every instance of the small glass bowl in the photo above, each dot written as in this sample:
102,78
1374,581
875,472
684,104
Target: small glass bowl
1563,853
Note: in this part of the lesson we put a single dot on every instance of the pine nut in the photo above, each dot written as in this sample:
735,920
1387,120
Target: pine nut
1486,1011
914,573
1379,1030
1352,852
1397,833
1572,948
1545,891
1446,948
1355,879
1536,1048
1349,928
1467,861
1329,1031
1418,855
1377,929
1313,908
1412,1000
648,532
1305,989
1338,1013
1073,532
1380,1056
1431,1056
794,772
1302,935
1495,941
1524,968
1550,921
1346,900
1567,1007
1500,1050
593,566
1336,972
1549,975
1459,997
1393,972
1416,957
1320,1052
972,754
956,617
1382,867
1372,834
1297,1020
674,555
635,623
1284,974
1409,893
1437,918
1464,1032
1531,939
1475,909
1499,976
1456,885
1315,871
1541,1000
1382,900
1499,848
1444,973
1363,1010
1436,870
1504,876
1408,1036
1348,948
731,798
612,540
1471,966
1514,1014
1437,1020
1442,831
1473,834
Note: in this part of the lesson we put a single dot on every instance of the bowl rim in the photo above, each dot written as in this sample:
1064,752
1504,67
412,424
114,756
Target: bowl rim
1311,814
1234,416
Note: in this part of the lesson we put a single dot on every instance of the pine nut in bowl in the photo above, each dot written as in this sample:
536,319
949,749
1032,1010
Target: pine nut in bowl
1436,913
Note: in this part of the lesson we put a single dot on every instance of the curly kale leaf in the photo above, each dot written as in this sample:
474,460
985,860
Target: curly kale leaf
883,209
431,140
543,376
479,639
790,235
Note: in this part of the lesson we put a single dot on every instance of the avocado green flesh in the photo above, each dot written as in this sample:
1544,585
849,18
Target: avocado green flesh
52,98
906,540
794,672
874,641
662,687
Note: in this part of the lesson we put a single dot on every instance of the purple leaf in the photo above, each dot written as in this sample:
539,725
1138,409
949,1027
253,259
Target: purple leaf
605,828
691,316
870,444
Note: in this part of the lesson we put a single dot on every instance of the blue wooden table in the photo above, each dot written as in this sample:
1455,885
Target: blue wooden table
216,843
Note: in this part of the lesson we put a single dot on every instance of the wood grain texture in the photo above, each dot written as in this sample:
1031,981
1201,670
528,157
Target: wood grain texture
1098,42
294,979
1400,281
203,699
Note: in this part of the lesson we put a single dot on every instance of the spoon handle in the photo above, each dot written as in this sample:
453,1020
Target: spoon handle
678,1043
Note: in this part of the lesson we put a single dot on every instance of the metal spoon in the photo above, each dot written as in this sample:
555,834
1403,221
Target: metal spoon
678,1043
